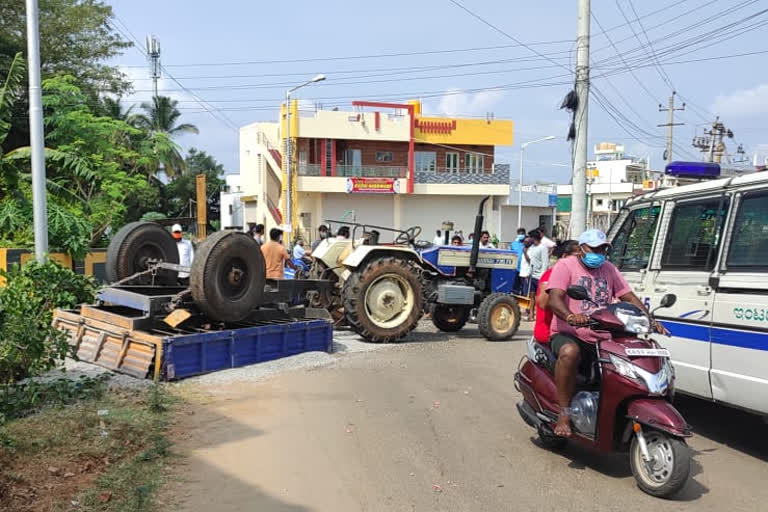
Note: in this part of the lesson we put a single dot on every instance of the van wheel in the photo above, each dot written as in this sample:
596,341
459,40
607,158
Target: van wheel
498,317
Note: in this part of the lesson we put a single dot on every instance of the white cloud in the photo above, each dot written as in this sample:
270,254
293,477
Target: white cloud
456,103
744,102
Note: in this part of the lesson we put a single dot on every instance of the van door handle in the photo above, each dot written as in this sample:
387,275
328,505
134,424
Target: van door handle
703,290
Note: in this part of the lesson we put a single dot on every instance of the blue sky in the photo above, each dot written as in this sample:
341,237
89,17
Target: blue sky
514,82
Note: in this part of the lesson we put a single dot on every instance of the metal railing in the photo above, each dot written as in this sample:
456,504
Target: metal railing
347,171
461,177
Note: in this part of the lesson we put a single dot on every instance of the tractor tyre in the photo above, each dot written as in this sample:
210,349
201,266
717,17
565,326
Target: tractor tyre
498,317
135,247
384,299
448,317
228,276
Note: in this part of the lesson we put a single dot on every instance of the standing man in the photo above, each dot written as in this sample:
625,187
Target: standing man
323,234
517,248
525,266
438,240
539,258
547,242
603,283
186,252
275,255
485,241
258,233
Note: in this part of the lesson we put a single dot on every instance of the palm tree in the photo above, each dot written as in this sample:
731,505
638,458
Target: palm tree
161,115
113,107
160,119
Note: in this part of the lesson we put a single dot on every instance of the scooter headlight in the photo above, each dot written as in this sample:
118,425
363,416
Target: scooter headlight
638,324
657,383
624,367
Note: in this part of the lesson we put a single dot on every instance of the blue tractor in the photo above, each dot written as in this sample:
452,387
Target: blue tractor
461,279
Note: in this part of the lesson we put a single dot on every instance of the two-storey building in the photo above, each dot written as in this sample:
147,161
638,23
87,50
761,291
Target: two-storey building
384,164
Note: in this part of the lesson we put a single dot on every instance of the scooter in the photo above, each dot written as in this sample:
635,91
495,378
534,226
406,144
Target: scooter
624,391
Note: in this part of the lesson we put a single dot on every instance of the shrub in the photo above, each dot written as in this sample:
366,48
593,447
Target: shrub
29,345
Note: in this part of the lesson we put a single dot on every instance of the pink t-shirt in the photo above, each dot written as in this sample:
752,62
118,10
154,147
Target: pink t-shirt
603,284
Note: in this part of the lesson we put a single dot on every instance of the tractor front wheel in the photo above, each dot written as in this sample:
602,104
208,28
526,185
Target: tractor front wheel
498,317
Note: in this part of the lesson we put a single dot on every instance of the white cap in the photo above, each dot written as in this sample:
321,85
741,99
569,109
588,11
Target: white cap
176,228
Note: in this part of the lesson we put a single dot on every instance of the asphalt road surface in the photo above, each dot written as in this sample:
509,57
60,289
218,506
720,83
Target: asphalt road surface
431,425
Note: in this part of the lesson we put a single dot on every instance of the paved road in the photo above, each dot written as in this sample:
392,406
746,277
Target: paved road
431,425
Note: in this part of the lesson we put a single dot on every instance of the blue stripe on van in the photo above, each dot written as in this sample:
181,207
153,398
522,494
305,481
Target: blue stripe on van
722,336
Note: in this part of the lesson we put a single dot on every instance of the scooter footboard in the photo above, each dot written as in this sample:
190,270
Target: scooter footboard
659,414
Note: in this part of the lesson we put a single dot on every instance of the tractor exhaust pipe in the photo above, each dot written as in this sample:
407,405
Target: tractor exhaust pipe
476,237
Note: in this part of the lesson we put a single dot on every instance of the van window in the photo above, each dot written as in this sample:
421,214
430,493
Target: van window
632,244
694,234
749,240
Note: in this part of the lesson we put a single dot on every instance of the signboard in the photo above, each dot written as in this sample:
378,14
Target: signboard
373,185
552,201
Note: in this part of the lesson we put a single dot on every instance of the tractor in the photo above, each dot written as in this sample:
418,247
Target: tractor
382,290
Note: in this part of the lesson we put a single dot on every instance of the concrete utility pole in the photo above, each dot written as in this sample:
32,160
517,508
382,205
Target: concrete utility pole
153,54
670,124
36,135
579,197
712,141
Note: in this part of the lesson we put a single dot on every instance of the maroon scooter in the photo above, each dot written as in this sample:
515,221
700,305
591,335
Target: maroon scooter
622,398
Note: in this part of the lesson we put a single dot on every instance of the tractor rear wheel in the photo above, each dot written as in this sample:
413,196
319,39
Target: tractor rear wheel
136,247
498,317
384,299
228,276
449,317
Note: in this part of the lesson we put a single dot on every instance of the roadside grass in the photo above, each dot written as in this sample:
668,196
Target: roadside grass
107,452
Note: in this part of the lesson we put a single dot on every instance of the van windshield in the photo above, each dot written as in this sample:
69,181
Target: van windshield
632,244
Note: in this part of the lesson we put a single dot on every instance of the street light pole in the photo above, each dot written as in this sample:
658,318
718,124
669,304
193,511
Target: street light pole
289,154
520,182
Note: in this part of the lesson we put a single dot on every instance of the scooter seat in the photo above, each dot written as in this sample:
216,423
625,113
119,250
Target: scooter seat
543,356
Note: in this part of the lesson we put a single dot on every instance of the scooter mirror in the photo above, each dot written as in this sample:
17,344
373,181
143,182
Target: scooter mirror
668,300
577,292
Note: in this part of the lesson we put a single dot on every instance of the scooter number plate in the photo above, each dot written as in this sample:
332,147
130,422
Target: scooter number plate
647,352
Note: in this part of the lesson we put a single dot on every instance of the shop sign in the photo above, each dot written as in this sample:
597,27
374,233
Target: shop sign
373,186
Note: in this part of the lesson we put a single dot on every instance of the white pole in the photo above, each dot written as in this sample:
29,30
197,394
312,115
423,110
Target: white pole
578,211
520,190
36,134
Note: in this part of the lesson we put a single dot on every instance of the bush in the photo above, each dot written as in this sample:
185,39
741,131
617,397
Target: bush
29,345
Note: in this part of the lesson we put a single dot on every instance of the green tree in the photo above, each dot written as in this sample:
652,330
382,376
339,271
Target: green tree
160,118
9,94
181,191
114,108
77,38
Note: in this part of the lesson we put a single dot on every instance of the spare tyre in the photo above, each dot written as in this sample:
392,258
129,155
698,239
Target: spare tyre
137,246
228,276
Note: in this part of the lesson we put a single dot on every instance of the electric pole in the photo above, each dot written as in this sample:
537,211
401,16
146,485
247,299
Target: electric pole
712,141
153,55
579,196
670,125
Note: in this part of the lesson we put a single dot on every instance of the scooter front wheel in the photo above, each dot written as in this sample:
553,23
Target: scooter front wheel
670,465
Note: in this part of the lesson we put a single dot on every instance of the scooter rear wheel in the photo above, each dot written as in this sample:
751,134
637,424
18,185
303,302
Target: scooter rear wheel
669,469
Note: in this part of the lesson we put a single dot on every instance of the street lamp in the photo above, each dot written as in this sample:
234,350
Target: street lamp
288,147
520,183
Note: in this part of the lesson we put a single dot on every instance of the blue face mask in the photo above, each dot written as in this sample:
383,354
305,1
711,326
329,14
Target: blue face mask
593,260
520,238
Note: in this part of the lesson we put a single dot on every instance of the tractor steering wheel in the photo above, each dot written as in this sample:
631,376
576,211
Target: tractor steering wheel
408,235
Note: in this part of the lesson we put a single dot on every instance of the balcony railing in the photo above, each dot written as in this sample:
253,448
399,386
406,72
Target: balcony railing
348,171
462,177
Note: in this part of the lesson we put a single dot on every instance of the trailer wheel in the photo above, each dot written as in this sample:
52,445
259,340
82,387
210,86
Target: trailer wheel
498,317
228,276
384,300
138,245
448,317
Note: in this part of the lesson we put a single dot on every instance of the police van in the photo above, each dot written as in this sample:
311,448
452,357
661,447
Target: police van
708,244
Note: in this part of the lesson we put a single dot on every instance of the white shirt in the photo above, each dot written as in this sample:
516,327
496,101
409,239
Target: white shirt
539,255
298,252
438,240
525,266
186,255
548,243
489,245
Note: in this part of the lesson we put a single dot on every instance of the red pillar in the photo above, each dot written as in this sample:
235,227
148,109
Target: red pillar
323,157
333,157
411,156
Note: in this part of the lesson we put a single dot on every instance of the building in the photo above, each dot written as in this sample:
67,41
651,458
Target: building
613,177
231,205
383,164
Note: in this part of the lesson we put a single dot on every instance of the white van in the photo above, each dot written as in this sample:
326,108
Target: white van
708,244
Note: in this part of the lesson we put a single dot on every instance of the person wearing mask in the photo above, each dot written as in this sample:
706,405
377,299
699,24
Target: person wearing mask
323,234
541,329
485,241
275,255
456,240
525,266
438,240
604,284
258,233
517,247
186,252
539,258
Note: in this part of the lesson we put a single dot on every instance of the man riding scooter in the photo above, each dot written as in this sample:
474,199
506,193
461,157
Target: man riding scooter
569,339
